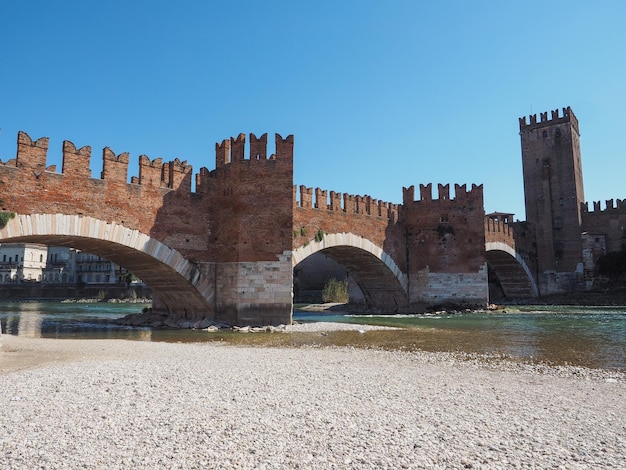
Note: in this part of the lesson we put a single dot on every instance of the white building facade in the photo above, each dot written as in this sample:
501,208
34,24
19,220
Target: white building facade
29,262
22,262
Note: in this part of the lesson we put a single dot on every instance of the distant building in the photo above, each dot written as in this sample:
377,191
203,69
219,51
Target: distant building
29,262
20,262
93,269
60,266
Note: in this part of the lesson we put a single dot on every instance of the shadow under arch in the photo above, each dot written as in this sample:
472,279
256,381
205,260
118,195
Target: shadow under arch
180,288
512,271
383,284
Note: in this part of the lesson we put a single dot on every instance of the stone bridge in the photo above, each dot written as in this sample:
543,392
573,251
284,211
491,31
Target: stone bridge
227,249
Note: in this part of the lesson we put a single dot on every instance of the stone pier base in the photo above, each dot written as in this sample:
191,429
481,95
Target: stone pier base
254,293
429,289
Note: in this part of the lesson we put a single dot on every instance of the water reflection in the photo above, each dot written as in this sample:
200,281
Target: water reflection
69,320
591,337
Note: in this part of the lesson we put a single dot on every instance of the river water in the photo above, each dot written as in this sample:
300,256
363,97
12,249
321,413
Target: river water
563,335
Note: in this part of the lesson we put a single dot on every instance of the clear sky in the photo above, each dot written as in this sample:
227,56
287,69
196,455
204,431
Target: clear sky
378,94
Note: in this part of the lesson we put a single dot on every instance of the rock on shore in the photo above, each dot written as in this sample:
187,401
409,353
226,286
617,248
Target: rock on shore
118,404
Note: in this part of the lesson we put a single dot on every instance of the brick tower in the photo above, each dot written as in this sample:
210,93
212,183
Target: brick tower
553,192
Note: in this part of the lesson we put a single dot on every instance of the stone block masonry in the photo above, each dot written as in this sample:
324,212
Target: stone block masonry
467,290
255,293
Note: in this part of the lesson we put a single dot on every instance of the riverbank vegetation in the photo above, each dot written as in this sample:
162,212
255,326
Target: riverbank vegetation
335,291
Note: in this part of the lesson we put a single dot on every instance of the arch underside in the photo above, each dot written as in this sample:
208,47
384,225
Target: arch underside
174,284
381,289
383,285
512,273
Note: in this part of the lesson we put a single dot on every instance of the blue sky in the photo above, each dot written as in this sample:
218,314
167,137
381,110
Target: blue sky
379,95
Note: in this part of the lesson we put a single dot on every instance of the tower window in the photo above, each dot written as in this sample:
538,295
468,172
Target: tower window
545,134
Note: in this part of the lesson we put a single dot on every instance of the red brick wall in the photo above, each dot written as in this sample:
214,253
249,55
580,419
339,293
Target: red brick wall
345,213
447,235
177,218
252,205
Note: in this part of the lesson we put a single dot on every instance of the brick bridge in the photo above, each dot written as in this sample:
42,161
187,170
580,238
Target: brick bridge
227,250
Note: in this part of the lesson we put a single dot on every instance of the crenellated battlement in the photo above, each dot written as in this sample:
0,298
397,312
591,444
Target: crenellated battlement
233,150
151,171
178,175
32,155
611,206
426,193
175,174
498,225
532,124
342,202
76,161
114,167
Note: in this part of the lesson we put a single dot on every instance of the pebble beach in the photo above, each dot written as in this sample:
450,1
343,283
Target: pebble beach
140,404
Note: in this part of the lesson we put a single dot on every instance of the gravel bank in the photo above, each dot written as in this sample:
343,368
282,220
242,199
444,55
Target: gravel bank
322,326
122,404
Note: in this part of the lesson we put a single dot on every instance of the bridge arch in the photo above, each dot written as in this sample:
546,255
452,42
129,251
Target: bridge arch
381,281
513,273
180,287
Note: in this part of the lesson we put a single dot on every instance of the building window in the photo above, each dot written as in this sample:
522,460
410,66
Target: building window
559,248
545,134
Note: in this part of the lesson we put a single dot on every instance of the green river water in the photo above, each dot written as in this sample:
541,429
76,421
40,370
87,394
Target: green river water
563,335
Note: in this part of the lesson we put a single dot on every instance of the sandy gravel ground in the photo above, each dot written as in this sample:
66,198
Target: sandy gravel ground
123,404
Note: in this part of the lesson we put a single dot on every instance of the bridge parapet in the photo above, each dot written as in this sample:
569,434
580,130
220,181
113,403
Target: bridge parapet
475,194
32,155
498,229
343,202
611,205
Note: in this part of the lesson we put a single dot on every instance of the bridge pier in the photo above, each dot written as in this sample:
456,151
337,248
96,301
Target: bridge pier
428,288
255,293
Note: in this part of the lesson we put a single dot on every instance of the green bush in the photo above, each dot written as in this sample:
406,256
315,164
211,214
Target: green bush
335,291
5,217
